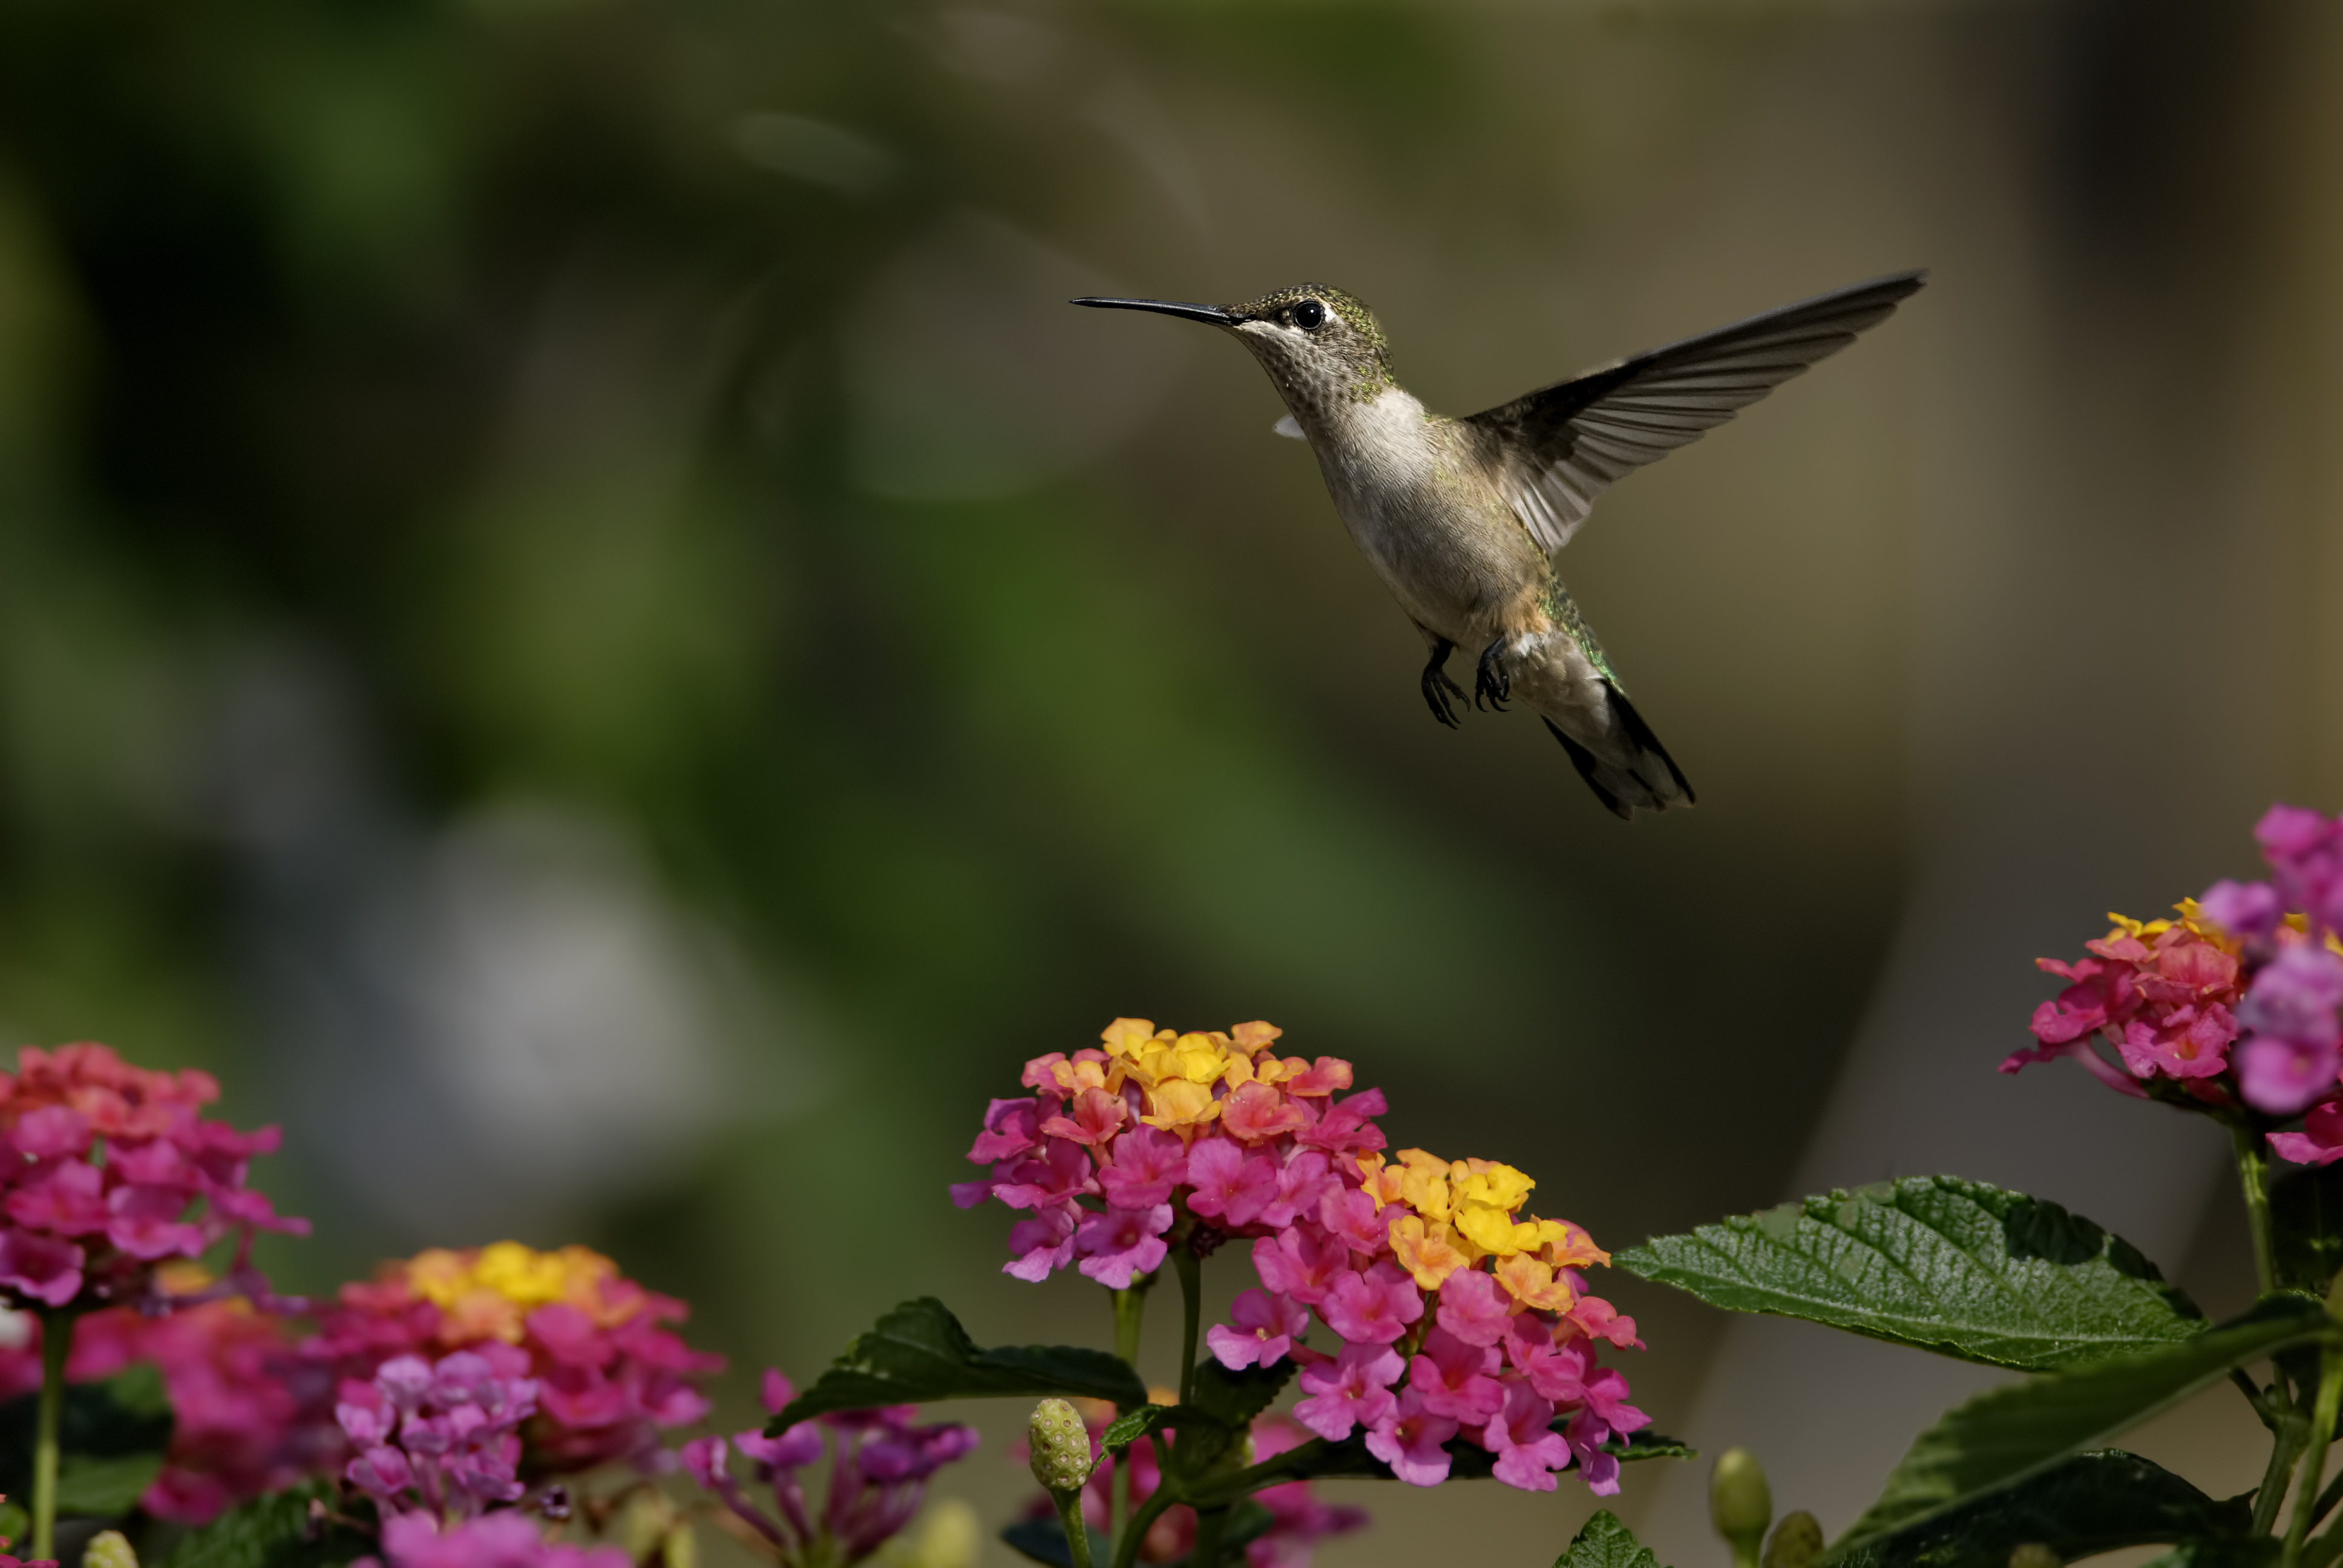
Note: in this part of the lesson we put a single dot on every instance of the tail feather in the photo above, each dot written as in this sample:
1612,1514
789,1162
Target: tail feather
1633,770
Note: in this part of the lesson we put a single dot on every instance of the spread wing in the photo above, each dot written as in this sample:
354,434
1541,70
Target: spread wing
1561,446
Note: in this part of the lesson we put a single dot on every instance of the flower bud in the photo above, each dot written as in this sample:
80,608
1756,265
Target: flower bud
1061,1447
1740,1503
108,1548
2034,1554
1798,1541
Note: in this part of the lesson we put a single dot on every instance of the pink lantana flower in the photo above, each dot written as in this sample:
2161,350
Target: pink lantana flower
1374,1308
1528,1451
1454,1379
1412,1440
1119,1244
1351,1391
1228,1185
1262,1328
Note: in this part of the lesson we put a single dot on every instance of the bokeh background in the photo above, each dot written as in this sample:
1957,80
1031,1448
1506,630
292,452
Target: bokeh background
580,620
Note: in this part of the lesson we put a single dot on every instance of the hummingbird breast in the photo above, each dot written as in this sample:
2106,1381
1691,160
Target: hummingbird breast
1411,490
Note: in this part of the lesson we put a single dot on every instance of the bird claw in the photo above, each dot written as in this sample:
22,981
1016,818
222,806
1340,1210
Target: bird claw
1438,687
1490,683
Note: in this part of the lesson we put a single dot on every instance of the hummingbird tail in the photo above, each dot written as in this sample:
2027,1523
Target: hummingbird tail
1631,769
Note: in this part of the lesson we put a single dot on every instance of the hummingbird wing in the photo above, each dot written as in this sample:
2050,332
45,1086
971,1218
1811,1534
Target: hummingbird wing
1555,449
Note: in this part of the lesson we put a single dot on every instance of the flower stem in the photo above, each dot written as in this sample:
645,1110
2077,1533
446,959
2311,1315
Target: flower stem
1190,1268
2322,1433
2253,1175
1126,1550
1206,1553
2286,1448
1078,1532
1129,1309
56,1345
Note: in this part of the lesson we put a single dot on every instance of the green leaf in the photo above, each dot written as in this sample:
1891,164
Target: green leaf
2306,1227
918,1353
1235,1398
104,1487
2083,1504
112,1435
273,1532
2006,1435
1042,1539
1644,1444
1131,1425
1952,1266
1604,1542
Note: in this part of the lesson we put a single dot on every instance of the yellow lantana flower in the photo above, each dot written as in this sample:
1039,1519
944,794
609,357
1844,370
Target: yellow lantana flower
1429,1251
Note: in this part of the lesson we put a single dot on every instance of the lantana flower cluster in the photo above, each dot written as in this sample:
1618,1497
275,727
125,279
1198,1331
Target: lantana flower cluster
503,1540
113,1171
2234,1003
609,1374
440,1439
1452,1313
882,1461
1298,1517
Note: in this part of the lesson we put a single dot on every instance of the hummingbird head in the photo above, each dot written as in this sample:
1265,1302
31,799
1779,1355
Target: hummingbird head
1319,344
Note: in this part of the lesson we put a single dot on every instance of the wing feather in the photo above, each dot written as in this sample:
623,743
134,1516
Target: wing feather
1561,446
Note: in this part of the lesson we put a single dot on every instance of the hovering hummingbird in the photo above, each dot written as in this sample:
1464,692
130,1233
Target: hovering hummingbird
1462,517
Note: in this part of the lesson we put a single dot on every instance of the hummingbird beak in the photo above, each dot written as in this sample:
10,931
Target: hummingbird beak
1209,314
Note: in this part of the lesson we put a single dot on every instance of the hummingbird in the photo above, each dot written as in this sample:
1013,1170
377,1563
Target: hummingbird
1462,519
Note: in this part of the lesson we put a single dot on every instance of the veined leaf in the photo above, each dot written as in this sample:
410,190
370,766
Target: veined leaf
2008,1435
1604,1542
2082,1505
1957,1267
918,1353
1132,1425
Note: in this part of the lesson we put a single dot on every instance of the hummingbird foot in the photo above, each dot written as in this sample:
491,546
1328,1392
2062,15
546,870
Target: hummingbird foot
1438,687
1491,684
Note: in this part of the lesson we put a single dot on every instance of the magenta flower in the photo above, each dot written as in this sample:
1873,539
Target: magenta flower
1351,1391
1412,1440
443,1440
506,1540
1012,1127
1297,1263
1373,1308
1528,1451
1059,1176
1254,1112
1353,1216
2320,1141
1262,1327
1043,1244
1473,1309
2305,851
1147,1165
1586,1437
1452,1378
1119,1244
1098,1117
1228,1184
1303,1180
2249,911
878,1476
1348,1126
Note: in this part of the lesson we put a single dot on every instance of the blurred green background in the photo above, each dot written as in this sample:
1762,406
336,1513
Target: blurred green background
580,620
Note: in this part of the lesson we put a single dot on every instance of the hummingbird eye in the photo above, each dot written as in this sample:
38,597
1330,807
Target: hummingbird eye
1310,316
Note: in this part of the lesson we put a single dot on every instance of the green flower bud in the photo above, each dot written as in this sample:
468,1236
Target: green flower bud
1739,1501
1798,1541
1061,1447
108,1548
2034,1554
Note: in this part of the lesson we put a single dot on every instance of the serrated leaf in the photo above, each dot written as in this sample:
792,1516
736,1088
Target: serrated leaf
1132,1425
1044,1539
1604,1542
273,1532
1957,1267
2083,1504
1235,1398
918,1353
2006,1435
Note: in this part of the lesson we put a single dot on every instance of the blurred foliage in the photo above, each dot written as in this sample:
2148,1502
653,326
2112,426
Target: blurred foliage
579,389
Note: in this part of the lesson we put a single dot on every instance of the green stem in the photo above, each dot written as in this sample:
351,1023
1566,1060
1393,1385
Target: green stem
1129,1310
2322,1433
56,1345
1206,1553
1126,1550
1078,1532
1190,1268
2287,1438
2253,1175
